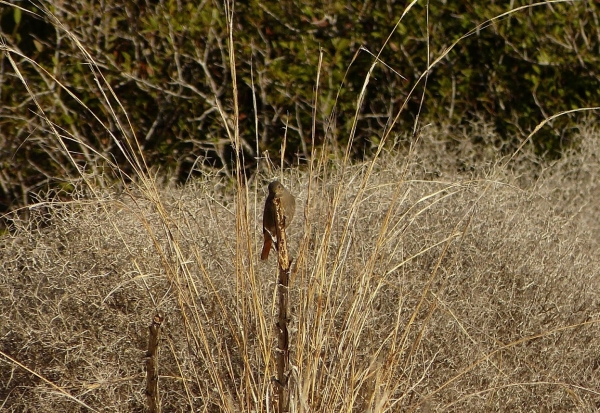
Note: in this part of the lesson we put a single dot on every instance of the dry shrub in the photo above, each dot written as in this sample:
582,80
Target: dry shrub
441,280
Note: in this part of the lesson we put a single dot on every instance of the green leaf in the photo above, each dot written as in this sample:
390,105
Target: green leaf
17,15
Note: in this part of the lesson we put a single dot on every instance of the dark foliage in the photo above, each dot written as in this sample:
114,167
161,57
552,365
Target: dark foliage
168,63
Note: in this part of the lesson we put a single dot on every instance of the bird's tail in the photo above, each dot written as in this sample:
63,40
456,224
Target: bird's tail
266,246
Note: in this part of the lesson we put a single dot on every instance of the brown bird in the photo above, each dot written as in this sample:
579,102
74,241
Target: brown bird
288,204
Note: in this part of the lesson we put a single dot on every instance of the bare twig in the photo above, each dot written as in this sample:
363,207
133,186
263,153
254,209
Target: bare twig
152,396
283,355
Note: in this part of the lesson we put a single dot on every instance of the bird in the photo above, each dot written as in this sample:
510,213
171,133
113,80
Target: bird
288,204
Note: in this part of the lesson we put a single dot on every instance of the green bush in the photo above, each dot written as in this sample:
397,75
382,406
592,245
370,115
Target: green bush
168,63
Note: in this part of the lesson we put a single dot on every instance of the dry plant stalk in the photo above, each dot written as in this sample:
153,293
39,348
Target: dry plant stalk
283,355
152,365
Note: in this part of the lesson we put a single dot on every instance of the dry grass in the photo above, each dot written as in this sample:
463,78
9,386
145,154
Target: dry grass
415,288
439,280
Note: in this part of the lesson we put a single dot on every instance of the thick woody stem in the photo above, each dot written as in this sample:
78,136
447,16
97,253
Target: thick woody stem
152,365
282,328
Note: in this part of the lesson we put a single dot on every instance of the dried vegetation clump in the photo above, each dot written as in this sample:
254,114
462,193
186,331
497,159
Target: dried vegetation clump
441,280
